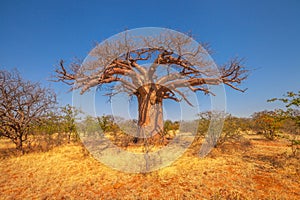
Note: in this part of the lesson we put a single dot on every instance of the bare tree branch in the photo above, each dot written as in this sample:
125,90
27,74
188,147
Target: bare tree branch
22,103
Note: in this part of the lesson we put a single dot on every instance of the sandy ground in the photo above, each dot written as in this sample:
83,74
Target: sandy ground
255,169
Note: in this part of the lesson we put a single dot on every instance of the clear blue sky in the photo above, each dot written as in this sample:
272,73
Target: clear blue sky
35,35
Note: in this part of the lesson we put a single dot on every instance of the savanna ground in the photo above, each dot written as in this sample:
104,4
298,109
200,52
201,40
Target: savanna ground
249,168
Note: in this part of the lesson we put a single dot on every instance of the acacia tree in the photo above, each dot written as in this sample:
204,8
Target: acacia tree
68,116
22,104
291,114
268,122
292,103
135,65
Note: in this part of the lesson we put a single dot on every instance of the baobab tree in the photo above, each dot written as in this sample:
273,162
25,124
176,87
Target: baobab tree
152,69
22,104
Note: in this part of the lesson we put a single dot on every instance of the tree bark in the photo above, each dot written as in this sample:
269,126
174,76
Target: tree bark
150,119
19,144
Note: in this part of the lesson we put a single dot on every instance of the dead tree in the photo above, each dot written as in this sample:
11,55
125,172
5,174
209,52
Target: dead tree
22,104
151,69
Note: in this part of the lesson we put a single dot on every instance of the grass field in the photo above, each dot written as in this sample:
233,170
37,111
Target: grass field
254,168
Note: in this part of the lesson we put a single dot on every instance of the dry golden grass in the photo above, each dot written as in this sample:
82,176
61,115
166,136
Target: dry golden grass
262,170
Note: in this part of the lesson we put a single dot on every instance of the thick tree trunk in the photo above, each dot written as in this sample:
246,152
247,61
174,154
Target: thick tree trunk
19,144
150,110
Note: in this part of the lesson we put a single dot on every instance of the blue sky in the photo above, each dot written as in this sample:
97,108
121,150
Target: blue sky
35,35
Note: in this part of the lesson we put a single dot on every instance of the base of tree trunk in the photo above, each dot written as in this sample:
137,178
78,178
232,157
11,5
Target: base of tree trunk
150,122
